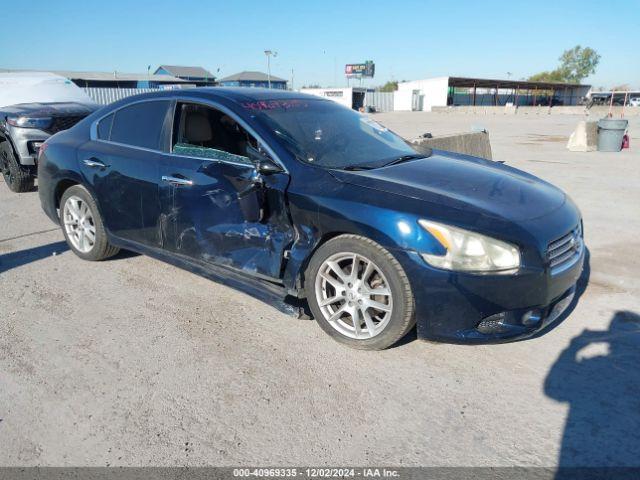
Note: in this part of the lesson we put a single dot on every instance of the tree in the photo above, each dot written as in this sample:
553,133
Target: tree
579,63
621,88
552,76
576,64
391,86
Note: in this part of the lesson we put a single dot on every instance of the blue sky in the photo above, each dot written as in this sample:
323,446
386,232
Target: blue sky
406,39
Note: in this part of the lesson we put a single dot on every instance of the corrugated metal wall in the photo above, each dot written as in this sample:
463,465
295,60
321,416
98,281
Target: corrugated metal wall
105,96
381,101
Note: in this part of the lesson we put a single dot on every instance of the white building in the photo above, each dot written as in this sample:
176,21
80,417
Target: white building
351,97
423,95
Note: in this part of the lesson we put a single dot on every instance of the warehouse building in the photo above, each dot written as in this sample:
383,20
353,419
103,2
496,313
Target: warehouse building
422,95
118,79
254,79
122,80
197,76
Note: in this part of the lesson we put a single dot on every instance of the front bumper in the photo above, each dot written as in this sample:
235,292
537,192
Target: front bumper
23,141
450,306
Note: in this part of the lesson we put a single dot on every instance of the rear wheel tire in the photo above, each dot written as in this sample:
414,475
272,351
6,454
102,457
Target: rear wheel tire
19,179
359,293
82,225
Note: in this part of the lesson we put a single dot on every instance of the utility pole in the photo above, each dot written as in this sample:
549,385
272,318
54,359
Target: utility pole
269,54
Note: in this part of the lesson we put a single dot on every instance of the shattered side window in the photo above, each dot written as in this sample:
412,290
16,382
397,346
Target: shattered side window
208,153
204,132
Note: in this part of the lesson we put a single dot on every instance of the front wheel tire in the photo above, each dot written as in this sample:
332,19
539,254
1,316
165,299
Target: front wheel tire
19,179
359,293
82,225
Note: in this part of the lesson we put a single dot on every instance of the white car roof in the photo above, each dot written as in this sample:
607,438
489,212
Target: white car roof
40,87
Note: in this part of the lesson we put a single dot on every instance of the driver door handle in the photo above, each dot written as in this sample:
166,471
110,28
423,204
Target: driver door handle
94,163
177,180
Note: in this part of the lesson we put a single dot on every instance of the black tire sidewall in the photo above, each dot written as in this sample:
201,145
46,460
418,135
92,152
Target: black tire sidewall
17,178
402,318
101,248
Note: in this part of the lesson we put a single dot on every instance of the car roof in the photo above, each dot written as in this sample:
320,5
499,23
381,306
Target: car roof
235,94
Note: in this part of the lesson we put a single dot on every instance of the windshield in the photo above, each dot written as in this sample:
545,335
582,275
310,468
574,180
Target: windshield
323,133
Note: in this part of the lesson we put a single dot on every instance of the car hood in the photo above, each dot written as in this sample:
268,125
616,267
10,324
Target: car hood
463,182
54,109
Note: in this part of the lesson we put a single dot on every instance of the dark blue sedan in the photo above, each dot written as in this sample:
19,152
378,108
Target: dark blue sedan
295,197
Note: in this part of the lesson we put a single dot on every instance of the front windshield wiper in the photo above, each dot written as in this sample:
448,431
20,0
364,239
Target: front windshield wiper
403,158
355,167
371,166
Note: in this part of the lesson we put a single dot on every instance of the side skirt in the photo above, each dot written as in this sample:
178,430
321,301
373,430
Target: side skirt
268,292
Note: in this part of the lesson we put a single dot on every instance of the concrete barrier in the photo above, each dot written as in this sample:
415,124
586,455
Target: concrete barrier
473,143
584,138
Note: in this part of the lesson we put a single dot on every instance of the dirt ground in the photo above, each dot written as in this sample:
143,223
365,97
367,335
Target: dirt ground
135,362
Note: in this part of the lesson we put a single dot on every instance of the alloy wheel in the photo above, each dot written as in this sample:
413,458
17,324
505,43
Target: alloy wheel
354,296
79,224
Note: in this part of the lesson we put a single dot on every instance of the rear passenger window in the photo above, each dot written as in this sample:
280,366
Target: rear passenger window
104,127
140,125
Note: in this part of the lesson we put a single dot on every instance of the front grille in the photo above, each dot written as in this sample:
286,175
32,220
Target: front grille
63,123
565,250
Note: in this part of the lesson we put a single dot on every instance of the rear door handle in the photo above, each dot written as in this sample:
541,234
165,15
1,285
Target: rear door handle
94,163
177,180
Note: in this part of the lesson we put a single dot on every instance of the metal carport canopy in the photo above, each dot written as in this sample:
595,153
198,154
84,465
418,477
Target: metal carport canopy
519,84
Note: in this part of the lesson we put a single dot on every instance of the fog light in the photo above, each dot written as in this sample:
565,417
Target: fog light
492,323
34,147
531,318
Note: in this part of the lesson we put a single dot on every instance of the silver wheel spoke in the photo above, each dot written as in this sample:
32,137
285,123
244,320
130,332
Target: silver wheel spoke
338,271
377,305
329,301
371,326
83,211
354,269
335,283
337,314
73,210
379,291
355,317
367,272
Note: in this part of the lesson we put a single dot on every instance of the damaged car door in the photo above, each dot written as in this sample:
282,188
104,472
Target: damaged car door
222,197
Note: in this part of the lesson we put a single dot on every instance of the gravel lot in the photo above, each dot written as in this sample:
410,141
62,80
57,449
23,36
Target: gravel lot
135,362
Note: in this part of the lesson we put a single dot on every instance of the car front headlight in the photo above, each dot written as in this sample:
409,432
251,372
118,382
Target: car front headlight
41,123
469,251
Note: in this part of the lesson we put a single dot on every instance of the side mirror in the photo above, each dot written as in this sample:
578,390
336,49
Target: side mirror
265,165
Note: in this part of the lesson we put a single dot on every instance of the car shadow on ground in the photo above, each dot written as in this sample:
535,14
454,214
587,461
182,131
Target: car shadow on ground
17,259
123,255
597,375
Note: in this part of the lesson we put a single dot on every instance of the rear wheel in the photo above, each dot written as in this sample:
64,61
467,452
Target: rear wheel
359,293
82,225
19,179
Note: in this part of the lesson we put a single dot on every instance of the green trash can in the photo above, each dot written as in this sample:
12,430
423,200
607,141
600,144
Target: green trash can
610,134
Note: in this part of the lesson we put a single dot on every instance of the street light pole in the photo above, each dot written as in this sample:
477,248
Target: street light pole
269,53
